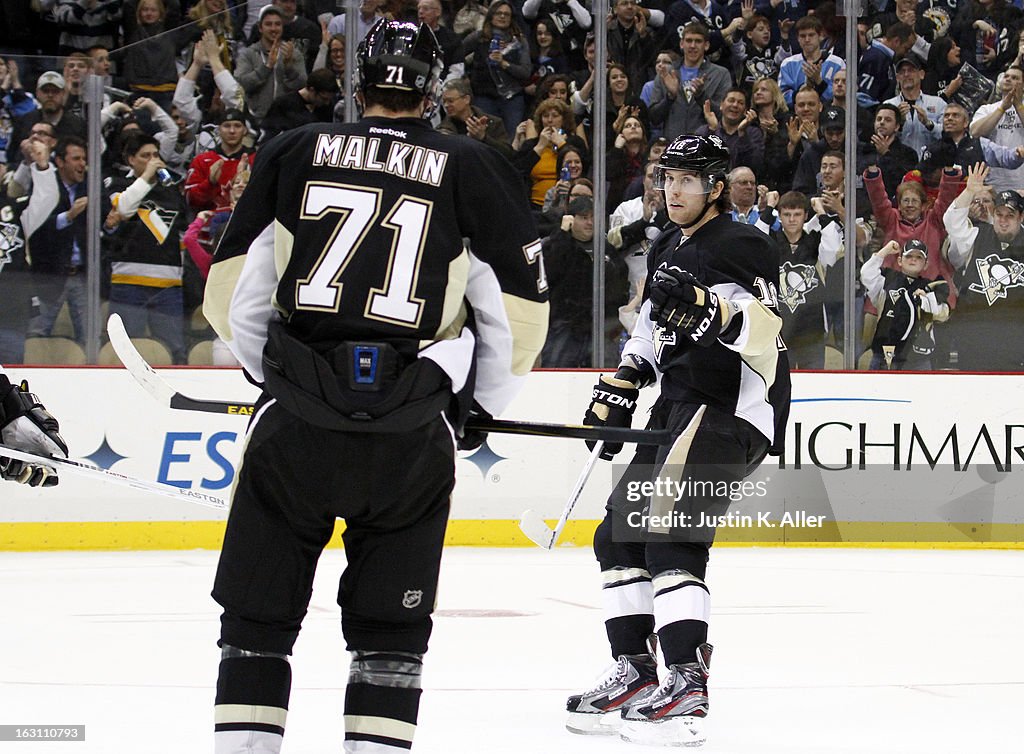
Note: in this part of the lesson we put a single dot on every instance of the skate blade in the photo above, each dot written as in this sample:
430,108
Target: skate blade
683,731
584,724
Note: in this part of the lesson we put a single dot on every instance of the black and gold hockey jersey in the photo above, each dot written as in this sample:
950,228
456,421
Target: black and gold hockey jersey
749,377
384,230
990,304
16,287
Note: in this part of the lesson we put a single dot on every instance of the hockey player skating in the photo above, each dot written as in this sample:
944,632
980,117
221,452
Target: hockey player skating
343,287
707,335
25,424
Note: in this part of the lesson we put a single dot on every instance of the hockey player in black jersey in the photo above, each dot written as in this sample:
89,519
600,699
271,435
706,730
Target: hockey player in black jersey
707,335
25,424
343,286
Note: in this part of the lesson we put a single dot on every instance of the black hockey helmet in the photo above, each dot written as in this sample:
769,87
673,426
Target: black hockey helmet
706,155
399,55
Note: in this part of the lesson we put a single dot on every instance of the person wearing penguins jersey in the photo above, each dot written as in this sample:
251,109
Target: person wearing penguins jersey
708,336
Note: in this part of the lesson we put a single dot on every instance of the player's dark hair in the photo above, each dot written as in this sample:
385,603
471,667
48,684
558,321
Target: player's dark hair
724,202
394,100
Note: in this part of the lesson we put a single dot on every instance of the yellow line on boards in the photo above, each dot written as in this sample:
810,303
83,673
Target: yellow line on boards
208,535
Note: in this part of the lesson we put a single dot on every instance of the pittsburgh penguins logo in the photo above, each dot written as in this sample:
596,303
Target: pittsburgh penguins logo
758,68
158,219
997,275
10,241
795,282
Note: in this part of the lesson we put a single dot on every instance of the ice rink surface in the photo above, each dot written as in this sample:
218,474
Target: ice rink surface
817,650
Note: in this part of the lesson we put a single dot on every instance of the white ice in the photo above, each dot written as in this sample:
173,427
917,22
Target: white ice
817,650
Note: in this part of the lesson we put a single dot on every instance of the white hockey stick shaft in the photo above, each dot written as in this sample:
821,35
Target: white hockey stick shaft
65,465
534,527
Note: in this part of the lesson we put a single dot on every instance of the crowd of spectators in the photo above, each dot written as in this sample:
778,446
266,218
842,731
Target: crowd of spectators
195,87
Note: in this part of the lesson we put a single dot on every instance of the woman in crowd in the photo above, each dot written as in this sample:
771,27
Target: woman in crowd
148,62
498,64
554,85
332,56
769,104
621,102
546,55
626,157
978,28
213,15
537,158
942,77
571,168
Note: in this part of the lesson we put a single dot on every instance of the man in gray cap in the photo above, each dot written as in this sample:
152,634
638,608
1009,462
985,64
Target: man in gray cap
50,94
922,113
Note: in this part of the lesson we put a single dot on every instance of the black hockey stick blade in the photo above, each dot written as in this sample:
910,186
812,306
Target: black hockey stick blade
572,431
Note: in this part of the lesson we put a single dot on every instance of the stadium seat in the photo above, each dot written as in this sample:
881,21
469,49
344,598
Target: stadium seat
201,354
152,350
54,350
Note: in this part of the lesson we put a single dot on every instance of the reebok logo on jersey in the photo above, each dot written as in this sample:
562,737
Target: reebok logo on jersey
389,132
997,275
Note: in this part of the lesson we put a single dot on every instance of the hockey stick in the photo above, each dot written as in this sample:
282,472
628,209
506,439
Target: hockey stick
106,475
533,526
156,386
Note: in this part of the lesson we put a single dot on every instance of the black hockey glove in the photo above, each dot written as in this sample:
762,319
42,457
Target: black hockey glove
25,424
471,439
612,405
681,302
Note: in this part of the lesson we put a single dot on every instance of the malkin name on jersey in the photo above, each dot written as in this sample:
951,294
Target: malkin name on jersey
363,153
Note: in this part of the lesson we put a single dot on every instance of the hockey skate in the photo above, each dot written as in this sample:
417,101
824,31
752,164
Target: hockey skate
673,714
596,712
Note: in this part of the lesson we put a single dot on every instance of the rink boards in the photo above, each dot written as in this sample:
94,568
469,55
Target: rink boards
871,459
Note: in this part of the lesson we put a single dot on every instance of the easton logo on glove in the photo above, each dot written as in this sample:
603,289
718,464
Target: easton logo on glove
614,399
